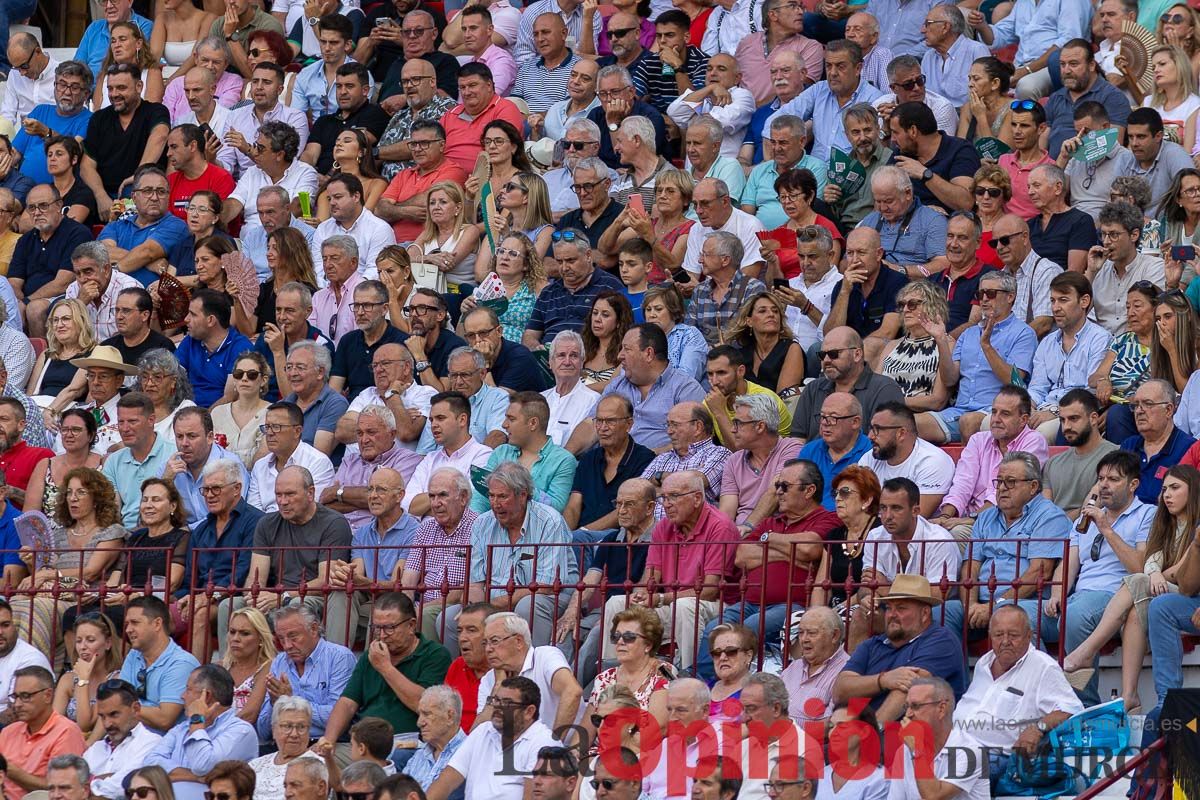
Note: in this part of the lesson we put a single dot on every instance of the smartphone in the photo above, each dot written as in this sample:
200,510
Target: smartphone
207,131
781,283
681,275
384,22
636,203
1183,253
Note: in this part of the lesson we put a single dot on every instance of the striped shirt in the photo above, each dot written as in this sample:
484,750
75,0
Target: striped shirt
440,558
707,457
524,50
660,89
542,87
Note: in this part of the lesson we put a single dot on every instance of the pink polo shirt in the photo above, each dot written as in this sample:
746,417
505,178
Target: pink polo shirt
680,558
463,142
331,314
502,65
979,464
33,751
1020,204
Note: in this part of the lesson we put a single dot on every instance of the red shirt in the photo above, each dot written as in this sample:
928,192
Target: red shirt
213,179
463,680
464,136
777,582
409,183
18,462
682,558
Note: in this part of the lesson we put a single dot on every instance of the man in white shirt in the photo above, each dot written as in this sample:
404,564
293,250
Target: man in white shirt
266,87
15,653
810,294
497,758
1018,694
931,550
716,212
571,402
897,452
275,150
729,23
1117,264
957,771
349,217
450,424
126,741
907,82
284,425
31,80
392,366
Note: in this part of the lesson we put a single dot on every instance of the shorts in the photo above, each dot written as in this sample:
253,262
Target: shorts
947,420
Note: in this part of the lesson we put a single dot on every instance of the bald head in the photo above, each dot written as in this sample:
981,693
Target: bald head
199,76
842,337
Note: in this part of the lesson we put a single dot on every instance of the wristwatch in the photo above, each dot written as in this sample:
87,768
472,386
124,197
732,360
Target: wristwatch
421,366
314,20
612,126
390,393
1042,726
927,175
341,491
196,719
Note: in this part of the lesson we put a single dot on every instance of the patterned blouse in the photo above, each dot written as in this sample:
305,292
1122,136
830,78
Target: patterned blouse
1132,364
520,309
913,364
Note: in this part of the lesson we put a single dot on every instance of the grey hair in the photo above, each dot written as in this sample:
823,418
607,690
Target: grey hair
476,356
1006,280
76,69
954,16
346,244
92,251
381,413
513,623
223,466
895,176
461,483
593,165
161,361
701,695
829,618
446,697
729,246
861,111
1033,469
3,314
762,409
565,336
515,476
367,772
902,62
641,127
775,691
291,702
306,614
313,768
215,43
615,70
1168,391
320,354
705,122
279,192
1134,186
82,772
581,243
788,121
585,125
823,238
941,689
299,289
1052,172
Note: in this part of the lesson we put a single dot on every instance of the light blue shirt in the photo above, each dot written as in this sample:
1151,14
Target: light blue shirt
916,241
13,319
650,412
687,350
948,76
978,385
819,104
311,94
199,750
557,120
94,44
189,487
127,474
327,670
254,244
1104,574
1187,416
1056,372
900,24
553,474
1039,532
1037,25
381,554
424,768
523,562
760,189
488,407
165,679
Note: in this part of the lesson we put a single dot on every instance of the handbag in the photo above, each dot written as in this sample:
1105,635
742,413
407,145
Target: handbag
428,276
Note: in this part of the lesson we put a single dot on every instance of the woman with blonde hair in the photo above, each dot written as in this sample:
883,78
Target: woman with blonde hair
912,360
71,337
448,241
761,331
249,649
289,258
128,47
609,319
666,228
993,190
150,783
98,657
239,420
523,206
523,274
1174,96
1179,27
395,273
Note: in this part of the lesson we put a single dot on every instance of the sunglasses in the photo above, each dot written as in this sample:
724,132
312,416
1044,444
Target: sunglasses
617,33
824,354
909,305
1003,241
607,783
577,145
1097,544
142,792
252,374
597,720
1172,19
340,796
990,191
726,652
1022,105
628,637
908,86
563,236
990,294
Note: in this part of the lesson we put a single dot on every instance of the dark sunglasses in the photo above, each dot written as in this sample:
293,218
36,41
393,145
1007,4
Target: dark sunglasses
252,374
990,294
576,145
908,86
990,191
1097,544
141,683
1022,105
824,354
727,652
143,792
1003,241
597,720
1172,19
338,795
607,783
617,33
628,637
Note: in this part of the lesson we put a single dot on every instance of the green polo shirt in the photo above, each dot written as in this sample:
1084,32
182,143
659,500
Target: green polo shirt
425,666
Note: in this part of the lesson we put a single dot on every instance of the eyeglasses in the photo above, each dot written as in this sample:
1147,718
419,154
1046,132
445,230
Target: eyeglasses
1146,405
356,307
70,87
990,191
1172,19
25,697
496,641
213,491
418,311
577,145
41,208
509,252
353,795
671,499
1022,105
157,191
142,792
461,376
414,32
1009,483
990,294
613,94
503,703
422,144
778,787
724,652
1003,241
76,494
388,630
873,428
291,727
274,427
216,795
1107,235
783,486
845,491
582,187
496,141
474,336
909,85
201,208
416,80
251,374
1191,191
626,637
830,419
606,421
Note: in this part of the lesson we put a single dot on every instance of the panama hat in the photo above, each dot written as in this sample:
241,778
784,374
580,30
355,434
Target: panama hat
911,587
105,357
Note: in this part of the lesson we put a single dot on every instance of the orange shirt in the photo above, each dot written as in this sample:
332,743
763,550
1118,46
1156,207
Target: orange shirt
410,182
32,751
463,136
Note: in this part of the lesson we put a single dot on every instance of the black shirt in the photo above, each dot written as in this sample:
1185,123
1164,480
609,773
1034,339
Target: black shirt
118,150
516,368
37,262
352,359
961,296
131,355
865,315
327,128
600,496
439,357
574,219
444,65
387,53
955,158
1068,230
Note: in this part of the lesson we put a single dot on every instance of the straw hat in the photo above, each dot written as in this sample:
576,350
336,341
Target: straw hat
105,357
911,587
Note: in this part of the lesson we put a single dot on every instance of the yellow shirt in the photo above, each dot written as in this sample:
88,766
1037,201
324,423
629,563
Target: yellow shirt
785,416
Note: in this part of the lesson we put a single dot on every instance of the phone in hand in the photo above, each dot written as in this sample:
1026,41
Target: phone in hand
636,203
780,283
1185,252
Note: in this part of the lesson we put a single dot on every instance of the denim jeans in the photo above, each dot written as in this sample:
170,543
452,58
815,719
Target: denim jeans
771,618
1118,423
1084,609
823,29
1170,616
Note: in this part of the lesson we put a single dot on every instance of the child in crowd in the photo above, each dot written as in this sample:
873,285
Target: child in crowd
634,260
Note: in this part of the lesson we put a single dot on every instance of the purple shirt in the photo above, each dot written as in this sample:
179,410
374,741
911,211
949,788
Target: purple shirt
331,317
978,465
803,684
438,556
357,471
747,485
228,91
504,69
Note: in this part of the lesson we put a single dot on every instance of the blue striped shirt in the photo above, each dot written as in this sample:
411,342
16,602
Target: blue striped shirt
559,309
424,768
